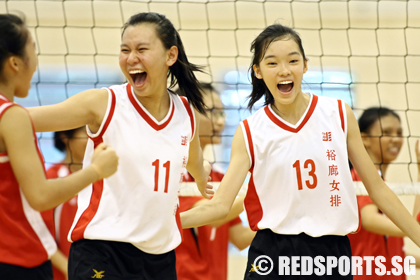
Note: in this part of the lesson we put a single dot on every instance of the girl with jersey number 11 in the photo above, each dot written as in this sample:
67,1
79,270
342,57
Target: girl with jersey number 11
300,197
127,226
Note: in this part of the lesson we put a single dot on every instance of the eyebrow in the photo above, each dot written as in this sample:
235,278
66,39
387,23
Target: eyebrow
139,44
290,54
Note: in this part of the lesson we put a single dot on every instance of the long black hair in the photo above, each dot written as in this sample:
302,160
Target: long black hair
13,38
182,71
259,46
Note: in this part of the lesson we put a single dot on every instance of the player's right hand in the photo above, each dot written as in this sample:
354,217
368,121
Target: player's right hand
105,159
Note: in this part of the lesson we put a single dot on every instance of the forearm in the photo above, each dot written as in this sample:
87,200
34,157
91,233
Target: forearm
382,225
389,204
204,214
195,166
237,208
57,191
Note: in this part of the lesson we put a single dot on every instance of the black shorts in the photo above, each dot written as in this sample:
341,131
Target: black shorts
110,260
276,246
14,272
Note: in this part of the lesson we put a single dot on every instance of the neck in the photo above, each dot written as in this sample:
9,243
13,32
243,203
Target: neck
73,164
378,162
7,91
383,168
157,104
294,111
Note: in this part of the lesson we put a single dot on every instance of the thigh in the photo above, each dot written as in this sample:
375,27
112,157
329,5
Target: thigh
14,272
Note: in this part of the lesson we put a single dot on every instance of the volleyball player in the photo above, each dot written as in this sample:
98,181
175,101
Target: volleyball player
300,198
26,244
127,226
203,253
381,133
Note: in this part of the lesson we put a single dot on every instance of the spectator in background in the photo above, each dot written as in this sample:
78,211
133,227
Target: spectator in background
203,253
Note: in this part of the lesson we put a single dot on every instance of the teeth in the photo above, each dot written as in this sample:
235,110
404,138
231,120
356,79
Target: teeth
136,71
285,82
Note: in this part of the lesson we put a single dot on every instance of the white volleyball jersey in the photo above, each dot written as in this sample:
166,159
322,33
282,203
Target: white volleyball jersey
300,178
139,203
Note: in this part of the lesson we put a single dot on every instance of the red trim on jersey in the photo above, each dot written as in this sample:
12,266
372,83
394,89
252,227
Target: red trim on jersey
178,222
252,202
252,205
4,98
285,126
250,143
7,106
90,211
144,115
108,119
190,113
340,109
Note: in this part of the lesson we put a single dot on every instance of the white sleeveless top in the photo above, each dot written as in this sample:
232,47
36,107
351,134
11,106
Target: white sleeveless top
300,178
139,203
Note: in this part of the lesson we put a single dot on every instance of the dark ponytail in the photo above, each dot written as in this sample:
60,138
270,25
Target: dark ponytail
182,71
13,37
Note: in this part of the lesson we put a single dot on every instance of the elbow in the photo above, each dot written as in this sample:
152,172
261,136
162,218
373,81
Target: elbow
39,204
223,212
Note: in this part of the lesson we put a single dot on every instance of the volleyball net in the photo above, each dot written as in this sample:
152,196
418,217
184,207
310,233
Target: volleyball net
366,53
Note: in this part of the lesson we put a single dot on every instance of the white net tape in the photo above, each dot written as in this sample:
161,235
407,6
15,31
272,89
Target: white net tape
399,188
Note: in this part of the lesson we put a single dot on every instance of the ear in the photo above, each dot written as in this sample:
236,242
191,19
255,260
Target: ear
305,66
257,71
172,56
365,139
14,63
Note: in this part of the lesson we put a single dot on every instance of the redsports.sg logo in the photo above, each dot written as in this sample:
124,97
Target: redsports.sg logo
304,265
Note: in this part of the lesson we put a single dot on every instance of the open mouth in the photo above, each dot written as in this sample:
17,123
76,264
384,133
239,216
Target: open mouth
285,86
138,77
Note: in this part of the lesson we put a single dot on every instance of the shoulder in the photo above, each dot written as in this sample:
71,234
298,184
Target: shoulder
15,114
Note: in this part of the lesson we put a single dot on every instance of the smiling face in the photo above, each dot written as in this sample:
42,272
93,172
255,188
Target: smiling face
384,139
282,68
144,60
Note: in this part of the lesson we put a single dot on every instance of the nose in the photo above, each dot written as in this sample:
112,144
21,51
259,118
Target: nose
132,58
284,69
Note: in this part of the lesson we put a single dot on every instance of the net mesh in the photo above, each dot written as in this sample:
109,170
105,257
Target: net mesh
364,52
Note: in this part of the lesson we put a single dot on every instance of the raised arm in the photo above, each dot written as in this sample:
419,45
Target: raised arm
378,191
85,108
219,207
43,194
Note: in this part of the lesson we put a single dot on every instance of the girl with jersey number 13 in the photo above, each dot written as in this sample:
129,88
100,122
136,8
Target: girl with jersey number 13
25,244
300,197
127,226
